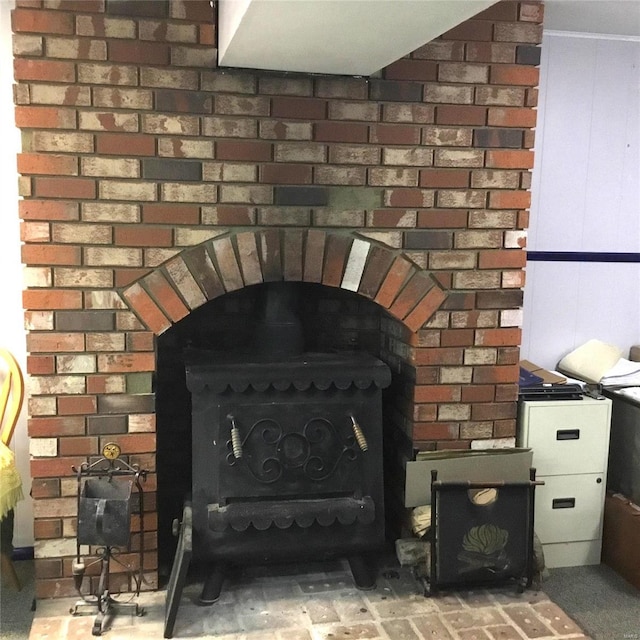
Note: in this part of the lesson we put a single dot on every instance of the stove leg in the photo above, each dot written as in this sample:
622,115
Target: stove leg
212,585
364,574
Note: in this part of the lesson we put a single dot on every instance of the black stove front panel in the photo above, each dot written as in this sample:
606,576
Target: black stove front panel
280,470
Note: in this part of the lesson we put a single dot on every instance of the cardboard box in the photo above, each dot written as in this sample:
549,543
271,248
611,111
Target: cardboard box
547,376
476,465
621,537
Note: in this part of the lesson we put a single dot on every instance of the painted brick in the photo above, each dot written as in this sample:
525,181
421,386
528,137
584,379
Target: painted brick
329,218
463,73
105,342
168,78
184,148
43,70
248,258
72,233
219,81
518,32
418,157
501,96
185,283
299,152
106,167
512,279
491,179
189,56
411,69
103,73
254,194
67,142
229,128
271,255
241,105
450,94
343,110
472,199
352,154
120,190
110,256
64,94
27,45
340,175
458,158
76,49
490,52
105,27
227,262
170,124
117,144
285,130
228,215
419,113
447,136
119,98
476,280
440,50
393,177
230,172
110,212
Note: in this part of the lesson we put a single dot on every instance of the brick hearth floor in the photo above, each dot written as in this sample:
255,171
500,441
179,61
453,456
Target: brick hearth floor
322,604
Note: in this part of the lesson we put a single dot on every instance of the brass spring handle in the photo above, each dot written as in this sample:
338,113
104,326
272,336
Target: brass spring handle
359,436
236,440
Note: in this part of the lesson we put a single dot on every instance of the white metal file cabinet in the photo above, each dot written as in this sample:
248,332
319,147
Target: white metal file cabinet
570,443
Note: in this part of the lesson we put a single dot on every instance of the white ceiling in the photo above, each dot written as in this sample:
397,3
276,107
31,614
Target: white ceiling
360,37
612,17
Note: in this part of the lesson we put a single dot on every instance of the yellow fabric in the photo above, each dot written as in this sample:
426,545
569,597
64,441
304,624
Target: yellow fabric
10,481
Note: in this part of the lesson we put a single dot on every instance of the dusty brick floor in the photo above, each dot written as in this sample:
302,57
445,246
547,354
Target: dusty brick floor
322,604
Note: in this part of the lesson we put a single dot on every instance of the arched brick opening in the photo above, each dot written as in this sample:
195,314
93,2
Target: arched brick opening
230,262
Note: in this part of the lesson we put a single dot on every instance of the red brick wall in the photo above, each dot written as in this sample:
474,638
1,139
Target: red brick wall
153,182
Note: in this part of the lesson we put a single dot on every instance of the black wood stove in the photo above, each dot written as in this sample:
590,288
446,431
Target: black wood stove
287,460
287,452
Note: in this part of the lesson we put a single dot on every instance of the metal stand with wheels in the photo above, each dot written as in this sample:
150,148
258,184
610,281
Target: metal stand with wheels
104,522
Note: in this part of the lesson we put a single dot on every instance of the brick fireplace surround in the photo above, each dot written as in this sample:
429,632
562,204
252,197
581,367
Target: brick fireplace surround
153,182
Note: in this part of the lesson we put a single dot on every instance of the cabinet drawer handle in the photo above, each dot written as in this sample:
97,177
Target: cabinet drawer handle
568,434
563,503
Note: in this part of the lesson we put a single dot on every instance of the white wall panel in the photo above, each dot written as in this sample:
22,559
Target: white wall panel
585,196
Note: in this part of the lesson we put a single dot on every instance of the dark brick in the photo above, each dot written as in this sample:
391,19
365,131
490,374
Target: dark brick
138,8
457,300
85,320
390,90
123,403
204,272
428,240
104,425
170,169
528,54
183,101
505,299
376,269
301,196
503,138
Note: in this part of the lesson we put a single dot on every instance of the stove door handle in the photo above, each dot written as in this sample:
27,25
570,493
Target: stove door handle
359,436
236,440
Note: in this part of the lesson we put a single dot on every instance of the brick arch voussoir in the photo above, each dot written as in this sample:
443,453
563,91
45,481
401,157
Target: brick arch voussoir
235,260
